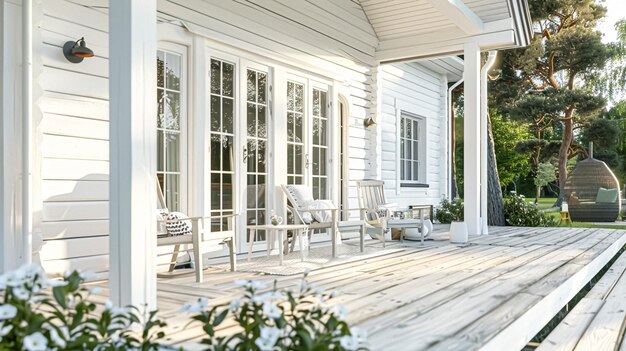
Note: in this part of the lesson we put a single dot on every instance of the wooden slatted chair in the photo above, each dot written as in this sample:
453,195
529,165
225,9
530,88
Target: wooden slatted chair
200,237
299,199
375,210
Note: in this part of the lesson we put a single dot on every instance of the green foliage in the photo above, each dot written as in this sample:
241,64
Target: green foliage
521,213
546,174
449,211
280,319
71,322
511,162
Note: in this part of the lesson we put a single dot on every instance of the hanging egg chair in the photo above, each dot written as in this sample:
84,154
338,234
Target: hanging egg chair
592,192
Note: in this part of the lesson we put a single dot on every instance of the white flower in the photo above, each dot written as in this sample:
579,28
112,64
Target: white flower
303,285
256,285
21,293
235,304
334,294
264,344
349,342
10,279
359,334
7,311
56,338
272,311
198,307
340,311
35,342
4,330
270,333
108,305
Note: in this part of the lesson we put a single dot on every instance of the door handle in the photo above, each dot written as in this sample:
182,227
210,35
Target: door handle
306,161
245,154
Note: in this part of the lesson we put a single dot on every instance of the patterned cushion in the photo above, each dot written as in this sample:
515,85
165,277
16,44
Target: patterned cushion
177,225
161,218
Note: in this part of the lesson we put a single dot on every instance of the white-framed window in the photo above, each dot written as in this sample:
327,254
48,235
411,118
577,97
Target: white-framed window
412,149
171,124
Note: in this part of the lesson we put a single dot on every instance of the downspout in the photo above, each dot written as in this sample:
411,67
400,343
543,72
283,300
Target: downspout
27,98
450,132
484,180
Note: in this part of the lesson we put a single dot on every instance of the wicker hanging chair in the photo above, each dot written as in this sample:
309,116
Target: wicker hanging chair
592,192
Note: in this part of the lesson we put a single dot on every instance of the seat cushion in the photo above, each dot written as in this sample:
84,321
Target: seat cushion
321,216
607,195
300,196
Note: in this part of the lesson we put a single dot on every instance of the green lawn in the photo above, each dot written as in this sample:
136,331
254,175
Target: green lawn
545,204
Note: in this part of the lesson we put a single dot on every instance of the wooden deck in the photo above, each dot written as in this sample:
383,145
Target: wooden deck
494,293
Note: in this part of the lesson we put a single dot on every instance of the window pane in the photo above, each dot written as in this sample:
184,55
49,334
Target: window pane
316,102
216,76
409,135
299,128
402,171
251,122
299,98
251,86
290,159
215,113
172,111
316,161
228,76
290,127
261,157
160,68
290,97
415,170
160,151
298,159
322,132
323,161
160,108
172,194
172,147
262,87
227,115
261,192
227,191
402,142
407,170
172,71
323,194
215,191
415,150
416,135
216,147
261,127
323,104
227,153
251,156
316,131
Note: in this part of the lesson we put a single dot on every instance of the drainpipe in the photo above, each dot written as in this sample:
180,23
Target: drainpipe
450,132
27,98
483,142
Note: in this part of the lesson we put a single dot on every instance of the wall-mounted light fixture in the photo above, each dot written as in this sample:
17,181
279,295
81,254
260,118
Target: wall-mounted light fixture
76,51
368,122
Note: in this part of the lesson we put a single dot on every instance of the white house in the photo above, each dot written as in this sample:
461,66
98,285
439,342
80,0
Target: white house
222,101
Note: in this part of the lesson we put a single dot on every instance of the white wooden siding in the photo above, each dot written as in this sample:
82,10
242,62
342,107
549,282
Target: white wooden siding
416,89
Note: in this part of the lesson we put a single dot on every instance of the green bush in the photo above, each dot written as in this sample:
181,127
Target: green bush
521,213
449,211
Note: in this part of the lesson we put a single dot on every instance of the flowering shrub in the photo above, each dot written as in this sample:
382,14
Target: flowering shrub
521,213
280,319
32,320
449,211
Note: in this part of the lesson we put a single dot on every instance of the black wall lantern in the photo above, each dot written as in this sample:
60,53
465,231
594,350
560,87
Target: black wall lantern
76,51
368,122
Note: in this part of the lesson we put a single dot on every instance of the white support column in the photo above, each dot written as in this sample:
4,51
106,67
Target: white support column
11,239
132,82
471,138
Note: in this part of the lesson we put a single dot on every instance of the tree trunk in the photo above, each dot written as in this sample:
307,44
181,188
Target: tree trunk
495,205
537,193
568,136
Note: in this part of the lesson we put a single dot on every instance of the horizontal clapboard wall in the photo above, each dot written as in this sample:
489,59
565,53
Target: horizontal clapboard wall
416,88
72,100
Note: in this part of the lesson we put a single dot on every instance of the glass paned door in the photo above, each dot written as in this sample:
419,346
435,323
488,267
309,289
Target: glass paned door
221,136
255,152
295,133
319,145
169,68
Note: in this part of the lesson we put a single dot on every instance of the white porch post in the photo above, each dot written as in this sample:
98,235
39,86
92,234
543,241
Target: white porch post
11,117
471,138
132,82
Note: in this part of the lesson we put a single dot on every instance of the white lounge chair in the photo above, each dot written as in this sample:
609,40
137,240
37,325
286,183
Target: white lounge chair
177,229
319,214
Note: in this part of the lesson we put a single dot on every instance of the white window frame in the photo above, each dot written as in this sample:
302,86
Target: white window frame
184,147
422,181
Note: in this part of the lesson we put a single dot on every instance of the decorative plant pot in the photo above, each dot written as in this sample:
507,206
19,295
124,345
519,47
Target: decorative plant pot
458,232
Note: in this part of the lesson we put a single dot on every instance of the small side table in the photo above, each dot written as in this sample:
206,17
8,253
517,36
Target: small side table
403,224
565,218
272,230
